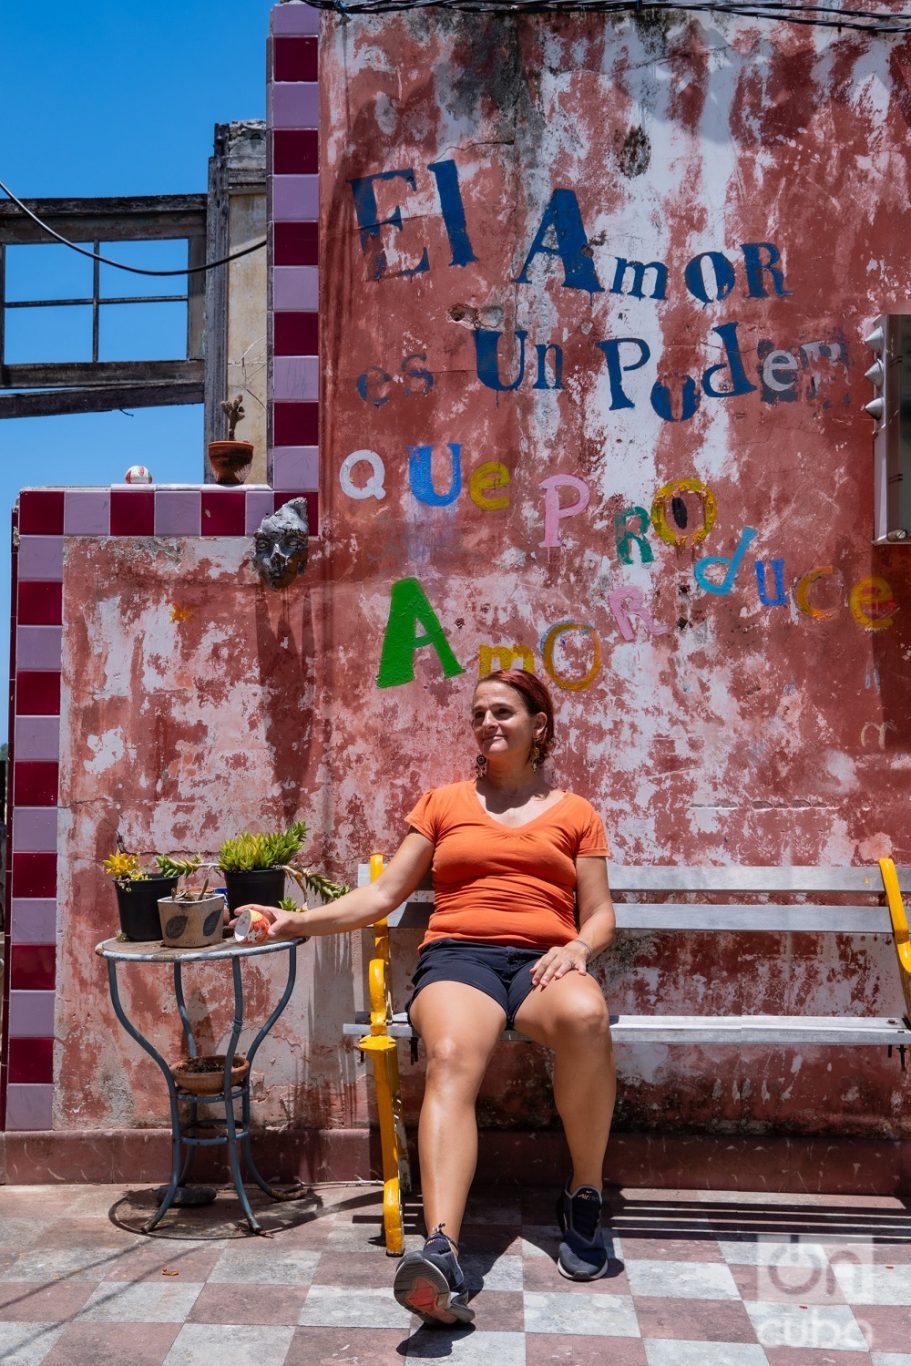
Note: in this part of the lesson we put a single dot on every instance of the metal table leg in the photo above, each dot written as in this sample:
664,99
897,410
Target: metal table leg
176,1136
192,1052
230,1123
251,1054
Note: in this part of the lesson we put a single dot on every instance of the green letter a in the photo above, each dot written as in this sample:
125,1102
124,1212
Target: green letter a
408,606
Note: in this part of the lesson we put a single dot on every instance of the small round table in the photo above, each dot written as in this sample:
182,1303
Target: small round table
185,1139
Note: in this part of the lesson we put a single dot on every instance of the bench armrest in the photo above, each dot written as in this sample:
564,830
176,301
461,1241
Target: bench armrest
900,933
378,972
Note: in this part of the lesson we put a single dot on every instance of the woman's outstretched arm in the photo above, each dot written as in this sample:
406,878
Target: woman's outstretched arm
404,872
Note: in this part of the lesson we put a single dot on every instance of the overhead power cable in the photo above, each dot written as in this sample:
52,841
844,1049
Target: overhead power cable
821,16
121,265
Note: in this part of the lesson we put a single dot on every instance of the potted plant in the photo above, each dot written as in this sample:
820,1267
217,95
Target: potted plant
138,891
231,459
192,917
255,865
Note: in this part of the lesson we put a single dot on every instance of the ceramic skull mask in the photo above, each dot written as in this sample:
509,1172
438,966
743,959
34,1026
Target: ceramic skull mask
280,544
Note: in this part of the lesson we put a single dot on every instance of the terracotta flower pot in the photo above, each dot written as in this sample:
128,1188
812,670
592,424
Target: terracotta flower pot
191,924
230,460
206,1076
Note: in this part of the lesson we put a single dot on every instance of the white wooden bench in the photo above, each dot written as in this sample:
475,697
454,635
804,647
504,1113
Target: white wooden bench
741,900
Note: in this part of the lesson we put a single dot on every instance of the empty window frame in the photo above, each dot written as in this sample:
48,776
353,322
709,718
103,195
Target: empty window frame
88,382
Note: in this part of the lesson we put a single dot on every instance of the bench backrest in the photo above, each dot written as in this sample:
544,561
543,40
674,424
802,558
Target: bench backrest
844,900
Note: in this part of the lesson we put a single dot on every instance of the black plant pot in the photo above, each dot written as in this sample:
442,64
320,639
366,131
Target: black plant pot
261,886
138,906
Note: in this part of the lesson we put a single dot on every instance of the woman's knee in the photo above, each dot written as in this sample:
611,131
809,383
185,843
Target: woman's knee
586,1017
594,1023
451,1056
443,1050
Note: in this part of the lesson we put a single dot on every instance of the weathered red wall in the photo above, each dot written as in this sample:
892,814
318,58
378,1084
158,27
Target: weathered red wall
187,716
710,724
706,724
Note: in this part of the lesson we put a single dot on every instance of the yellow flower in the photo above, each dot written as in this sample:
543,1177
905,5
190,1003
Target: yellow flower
123,867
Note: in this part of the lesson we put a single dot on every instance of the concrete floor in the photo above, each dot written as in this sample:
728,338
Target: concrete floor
703,1278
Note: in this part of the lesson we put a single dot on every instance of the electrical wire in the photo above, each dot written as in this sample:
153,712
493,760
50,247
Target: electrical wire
121,265
822,16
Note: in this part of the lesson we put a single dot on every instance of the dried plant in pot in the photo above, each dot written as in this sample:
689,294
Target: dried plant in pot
193,917
205,1076
138,891
231,459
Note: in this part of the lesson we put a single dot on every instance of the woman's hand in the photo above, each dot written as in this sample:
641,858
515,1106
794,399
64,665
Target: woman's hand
558,961
282,924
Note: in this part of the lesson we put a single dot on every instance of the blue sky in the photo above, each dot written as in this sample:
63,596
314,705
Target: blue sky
110,99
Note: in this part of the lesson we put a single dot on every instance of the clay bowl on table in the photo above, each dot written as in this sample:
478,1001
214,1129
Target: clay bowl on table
206,1076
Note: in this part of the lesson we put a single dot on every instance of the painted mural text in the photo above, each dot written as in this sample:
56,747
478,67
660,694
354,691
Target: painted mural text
505,363
778,375
709,276
682,513
570,650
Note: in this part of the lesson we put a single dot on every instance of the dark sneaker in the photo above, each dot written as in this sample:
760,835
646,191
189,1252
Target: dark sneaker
430,1283
583,1255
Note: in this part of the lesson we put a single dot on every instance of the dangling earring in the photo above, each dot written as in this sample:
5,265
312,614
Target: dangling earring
536,757
480,765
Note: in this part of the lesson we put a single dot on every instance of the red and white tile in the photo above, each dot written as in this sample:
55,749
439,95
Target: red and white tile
293,106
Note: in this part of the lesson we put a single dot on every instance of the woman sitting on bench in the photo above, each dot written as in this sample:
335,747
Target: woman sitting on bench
513,857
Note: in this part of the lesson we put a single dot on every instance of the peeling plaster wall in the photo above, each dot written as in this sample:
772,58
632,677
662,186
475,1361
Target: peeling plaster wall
712,717
187,715
488,184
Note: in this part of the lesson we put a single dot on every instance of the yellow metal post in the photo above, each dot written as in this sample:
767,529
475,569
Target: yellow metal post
900,935
382,1051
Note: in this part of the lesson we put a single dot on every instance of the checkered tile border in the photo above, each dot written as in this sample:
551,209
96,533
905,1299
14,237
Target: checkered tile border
293,212
44,519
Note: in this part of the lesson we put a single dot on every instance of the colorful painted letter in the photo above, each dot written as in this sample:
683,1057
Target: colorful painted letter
408,609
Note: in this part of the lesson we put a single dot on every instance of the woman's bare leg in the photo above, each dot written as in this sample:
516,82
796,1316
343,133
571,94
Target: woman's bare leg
571,1018
459,1028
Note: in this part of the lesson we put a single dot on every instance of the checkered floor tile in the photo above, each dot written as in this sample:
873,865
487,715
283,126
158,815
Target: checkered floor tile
697,1279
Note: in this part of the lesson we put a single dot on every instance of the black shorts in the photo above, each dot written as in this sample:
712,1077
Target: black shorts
501,972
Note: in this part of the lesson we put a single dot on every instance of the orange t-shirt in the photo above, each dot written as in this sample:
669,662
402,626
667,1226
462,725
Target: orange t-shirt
499,884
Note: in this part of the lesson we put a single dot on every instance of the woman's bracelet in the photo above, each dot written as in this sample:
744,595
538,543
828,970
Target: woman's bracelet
584,944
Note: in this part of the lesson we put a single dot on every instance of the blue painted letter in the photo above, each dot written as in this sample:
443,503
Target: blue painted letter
739,382
724,277
420,475
365,208
781,597
486,345
756,267
689,400
562,217
447,178
542,350
615,370
732,564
